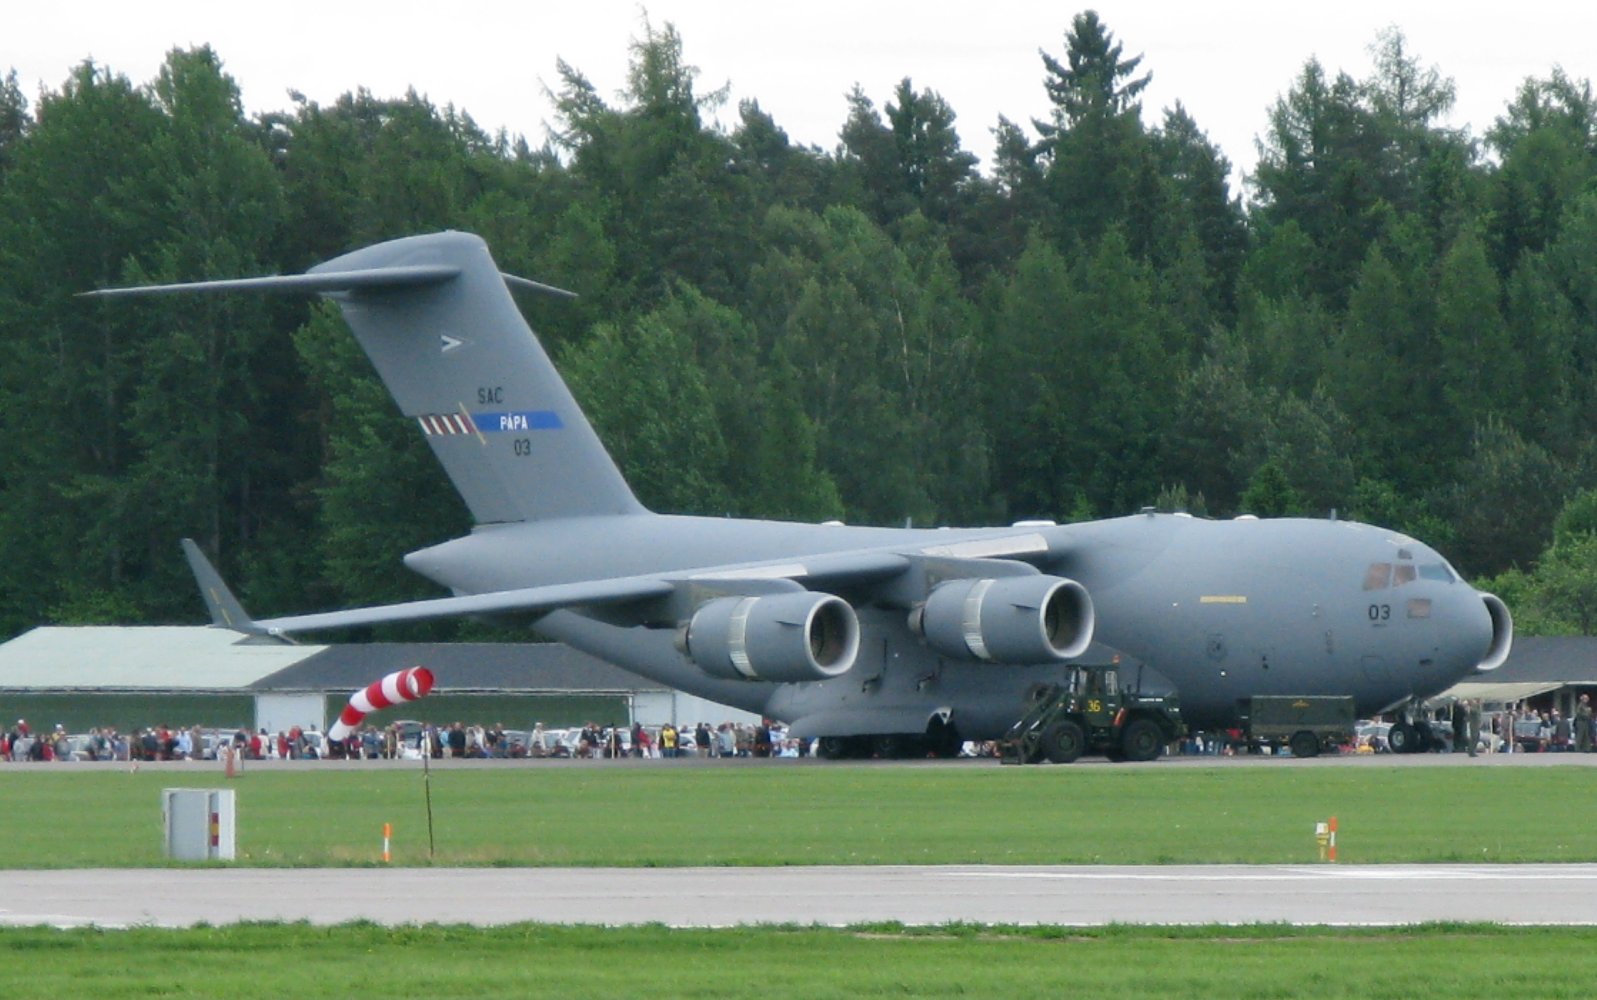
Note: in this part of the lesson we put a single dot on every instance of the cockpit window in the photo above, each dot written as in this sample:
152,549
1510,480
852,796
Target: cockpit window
1382,575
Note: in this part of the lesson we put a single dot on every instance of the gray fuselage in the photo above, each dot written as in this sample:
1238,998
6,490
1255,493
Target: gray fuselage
1221,610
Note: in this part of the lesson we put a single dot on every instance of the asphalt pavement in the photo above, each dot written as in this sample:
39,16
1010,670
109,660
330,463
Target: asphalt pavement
1363,895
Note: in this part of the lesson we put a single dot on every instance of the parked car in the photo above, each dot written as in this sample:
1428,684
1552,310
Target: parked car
1528,736
77,747
1373,735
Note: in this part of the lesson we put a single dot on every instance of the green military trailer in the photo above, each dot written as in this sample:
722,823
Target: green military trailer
1089,713
1305,724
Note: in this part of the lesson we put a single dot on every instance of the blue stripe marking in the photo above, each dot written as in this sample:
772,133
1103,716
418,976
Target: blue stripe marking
517,420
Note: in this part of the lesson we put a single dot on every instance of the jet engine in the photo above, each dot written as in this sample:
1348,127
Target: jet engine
773,637
1013,620
1502,633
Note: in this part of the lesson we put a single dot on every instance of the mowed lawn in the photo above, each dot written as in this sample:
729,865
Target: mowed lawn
543,961
592,813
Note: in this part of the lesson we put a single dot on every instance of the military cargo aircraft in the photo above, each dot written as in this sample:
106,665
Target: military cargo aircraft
878,640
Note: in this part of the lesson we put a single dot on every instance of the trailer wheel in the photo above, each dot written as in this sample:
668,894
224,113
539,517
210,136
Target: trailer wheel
1304,744
1063,742
1141,740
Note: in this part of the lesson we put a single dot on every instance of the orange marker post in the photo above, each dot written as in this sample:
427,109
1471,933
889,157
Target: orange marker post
388,831
1331,847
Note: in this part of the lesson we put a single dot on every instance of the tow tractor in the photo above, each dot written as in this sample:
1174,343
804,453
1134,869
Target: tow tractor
1087,712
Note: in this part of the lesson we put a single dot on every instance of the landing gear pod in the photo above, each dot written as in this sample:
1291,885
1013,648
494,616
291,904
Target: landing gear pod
774,637
1012,620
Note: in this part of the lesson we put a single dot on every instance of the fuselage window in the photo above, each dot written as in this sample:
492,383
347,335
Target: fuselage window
1378,576
1419,607
1436,571
1404,573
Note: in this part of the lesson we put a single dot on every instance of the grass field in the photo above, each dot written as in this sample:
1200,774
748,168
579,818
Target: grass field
542,961
590,813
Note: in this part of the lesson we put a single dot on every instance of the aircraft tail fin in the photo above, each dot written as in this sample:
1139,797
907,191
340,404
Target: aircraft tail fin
435,316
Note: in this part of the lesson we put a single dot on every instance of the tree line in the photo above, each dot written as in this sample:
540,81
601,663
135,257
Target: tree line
1397,322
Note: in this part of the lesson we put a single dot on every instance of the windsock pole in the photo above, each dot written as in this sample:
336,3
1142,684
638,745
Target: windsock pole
427,779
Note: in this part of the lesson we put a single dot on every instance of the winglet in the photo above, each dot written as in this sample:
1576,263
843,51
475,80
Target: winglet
226,611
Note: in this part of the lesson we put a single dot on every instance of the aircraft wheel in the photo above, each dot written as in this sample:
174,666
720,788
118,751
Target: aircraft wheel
1063,742
834,747
1141,740
1402,738
890,746
1424,740
1305,744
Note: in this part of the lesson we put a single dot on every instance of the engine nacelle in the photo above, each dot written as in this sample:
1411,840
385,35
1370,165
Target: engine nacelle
774,637
1010,620
1502,633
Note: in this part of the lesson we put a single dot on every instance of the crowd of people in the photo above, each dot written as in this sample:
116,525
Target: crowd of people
729,739
20,743
402,740
1464,727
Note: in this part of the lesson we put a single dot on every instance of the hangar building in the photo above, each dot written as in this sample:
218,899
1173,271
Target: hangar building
132,677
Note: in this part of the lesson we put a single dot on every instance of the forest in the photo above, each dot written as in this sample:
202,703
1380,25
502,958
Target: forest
1390,322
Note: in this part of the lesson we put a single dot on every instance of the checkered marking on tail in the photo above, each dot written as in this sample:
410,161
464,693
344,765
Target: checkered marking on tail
445,424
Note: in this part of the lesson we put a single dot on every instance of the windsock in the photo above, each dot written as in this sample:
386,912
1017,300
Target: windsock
395,689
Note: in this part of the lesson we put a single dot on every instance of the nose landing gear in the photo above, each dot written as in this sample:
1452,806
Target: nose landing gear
1412,737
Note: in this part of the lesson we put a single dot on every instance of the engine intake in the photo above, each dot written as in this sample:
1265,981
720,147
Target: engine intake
774,637
1011,620
1502,633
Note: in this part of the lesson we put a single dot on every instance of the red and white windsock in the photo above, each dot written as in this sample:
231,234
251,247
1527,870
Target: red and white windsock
395,689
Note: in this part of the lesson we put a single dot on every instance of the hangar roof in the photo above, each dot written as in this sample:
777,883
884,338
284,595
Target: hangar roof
1538,664
201,658
133,658
1568,659
1488,692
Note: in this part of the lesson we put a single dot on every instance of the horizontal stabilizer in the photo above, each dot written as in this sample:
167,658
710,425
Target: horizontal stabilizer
226,611
536,286
407,276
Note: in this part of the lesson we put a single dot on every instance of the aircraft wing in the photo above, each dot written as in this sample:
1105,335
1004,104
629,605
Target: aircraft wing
528,600
227,612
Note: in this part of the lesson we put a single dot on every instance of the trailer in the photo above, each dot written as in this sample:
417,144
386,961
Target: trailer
1305,724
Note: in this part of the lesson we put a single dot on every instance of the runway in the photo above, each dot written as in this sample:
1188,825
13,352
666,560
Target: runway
1365,895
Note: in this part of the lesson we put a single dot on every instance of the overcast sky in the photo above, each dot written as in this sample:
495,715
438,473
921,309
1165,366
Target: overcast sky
1226,60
